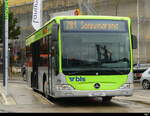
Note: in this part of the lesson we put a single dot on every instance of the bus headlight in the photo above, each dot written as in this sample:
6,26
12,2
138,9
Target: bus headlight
127,86
130,78
64,87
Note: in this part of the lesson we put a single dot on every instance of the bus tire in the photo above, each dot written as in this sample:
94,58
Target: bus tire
44,79
31,77
45,89
106,99
35,90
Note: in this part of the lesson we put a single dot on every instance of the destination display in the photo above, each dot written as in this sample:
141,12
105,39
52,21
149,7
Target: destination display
94,25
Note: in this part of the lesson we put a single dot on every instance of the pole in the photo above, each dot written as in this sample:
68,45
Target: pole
3,33
138,32
6,45
41,14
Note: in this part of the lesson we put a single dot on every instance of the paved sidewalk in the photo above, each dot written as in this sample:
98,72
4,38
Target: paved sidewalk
9,99
5,99
20,94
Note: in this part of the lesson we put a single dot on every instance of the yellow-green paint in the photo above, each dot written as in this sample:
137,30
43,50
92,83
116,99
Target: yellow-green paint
6,10
107,82
39,34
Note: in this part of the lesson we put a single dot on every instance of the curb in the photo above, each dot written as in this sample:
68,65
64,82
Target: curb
6,99
2,101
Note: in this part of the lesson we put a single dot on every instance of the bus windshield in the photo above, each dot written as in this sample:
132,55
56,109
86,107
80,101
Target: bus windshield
95,52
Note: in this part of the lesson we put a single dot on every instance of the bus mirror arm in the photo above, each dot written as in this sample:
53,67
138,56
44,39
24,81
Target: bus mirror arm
134,41
55,28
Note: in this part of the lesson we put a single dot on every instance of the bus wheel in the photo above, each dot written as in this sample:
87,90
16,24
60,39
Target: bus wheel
106,99
45,89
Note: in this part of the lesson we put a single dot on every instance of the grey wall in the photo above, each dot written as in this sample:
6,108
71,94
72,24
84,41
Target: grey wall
100,7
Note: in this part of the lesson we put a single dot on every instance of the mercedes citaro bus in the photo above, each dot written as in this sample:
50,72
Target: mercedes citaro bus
82,56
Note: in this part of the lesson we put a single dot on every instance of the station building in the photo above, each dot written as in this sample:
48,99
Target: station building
23,11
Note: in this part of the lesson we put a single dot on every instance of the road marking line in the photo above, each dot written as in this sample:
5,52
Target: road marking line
43,99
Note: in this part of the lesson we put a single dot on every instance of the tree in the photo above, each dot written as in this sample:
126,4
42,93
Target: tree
14,30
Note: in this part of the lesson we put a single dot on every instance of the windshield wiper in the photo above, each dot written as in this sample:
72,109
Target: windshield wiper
119,60
117,71
123,60
114,61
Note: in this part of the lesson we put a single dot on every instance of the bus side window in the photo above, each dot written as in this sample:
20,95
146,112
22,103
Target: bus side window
43,52
54,55
28,56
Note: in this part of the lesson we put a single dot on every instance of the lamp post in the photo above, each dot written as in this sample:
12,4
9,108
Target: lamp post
5,46
138,33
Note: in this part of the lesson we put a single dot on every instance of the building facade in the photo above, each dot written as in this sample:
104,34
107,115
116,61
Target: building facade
23,11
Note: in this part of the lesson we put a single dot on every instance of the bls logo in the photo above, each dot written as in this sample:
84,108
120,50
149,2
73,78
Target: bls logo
79,79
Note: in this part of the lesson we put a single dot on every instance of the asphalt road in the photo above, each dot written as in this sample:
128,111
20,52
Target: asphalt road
35,102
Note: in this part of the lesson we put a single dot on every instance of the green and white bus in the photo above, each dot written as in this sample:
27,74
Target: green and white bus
82,56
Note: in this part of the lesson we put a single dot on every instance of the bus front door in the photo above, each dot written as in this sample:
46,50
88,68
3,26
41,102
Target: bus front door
35,59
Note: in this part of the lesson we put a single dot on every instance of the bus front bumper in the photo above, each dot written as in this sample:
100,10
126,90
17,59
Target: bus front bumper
95,93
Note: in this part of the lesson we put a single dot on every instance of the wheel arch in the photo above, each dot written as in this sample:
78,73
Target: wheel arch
145,80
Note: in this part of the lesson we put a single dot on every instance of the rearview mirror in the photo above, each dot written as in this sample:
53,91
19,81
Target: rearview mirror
134,42
55,28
